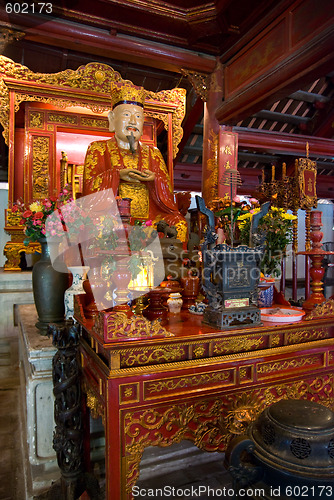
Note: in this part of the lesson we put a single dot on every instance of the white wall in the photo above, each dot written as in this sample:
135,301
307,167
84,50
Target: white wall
326,207
4,237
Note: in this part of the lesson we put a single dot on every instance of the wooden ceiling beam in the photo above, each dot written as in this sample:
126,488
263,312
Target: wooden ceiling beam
310,97
295,49
82,38
281,117
274,142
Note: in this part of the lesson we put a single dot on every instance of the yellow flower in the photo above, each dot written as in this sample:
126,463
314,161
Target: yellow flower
248,215
289,216
35,207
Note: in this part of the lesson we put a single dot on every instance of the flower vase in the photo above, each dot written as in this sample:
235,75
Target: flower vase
79,274
49,288
265,294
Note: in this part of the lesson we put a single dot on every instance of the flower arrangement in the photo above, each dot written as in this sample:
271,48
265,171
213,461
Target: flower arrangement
34,215
277,227
227,214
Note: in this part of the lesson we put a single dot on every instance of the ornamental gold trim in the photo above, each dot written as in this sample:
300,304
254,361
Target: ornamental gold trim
129,393
64,119
95,123
324,344
322,310
277,366
306,165
88,86
237,344
94,404
117,325
151,355
301,336
40,166
200,82
13,218
212,422
183,383
36,119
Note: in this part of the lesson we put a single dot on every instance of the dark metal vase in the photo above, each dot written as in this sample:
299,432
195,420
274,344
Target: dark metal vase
49,287
288,452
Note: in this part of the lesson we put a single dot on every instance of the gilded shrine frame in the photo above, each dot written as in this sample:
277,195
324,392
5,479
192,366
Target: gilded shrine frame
87,87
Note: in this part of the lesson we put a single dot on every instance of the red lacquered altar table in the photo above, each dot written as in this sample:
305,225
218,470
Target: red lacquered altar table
190,381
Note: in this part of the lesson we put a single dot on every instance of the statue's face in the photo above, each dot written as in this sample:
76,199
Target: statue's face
124,120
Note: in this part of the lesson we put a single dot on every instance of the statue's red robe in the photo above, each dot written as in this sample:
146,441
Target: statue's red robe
103,162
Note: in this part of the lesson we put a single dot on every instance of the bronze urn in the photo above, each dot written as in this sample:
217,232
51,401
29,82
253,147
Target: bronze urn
288,452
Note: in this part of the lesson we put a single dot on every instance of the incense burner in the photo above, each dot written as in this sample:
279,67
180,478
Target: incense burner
230,279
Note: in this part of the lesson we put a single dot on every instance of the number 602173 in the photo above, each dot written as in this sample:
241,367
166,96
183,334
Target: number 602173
29,8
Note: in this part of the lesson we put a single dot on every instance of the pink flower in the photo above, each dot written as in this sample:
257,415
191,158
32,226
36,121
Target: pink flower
236,199
149,223
254,201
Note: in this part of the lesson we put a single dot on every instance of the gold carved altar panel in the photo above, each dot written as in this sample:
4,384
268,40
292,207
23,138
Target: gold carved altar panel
58,109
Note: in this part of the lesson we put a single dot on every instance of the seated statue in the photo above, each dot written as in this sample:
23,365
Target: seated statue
132,169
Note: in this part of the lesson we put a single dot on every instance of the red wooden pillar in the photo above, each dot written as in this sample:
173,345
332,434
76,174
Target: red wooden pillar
211,136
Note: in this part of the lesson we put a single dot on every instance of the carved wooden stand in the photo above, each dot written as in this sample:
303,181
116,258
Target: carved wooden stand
68,435
317,271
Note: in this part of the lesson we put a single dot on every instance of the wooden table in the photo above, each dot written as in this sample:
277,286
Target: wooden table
193,382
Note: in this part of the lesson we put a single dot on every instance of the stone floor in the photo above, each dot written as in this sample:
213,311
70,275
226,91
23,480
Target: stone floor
192,473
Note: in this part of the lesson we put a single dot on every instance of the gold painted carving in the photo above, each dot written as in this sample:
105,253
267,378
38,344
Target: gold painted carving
13,250
13,218
306,335
307,185
211,423
177,97
160,116
36,120
95,123
210,184
199,81
288,364
198,351
185,382
128,392
118,325
275,340
138,193
40,166
237,345
95,406
67,119
322,310
156,355
67,86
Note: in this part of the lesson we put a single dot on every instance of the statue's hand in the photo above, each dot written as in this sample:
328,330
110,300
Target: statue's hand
149,176
132,175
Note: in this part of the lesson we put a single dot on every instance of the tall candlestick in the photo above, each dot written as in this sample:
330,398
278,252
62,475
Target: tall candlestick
273,172
283,170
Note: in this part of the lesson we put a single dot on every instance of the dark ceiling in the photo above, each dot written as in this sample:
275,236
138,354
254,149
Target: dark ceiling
154,43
